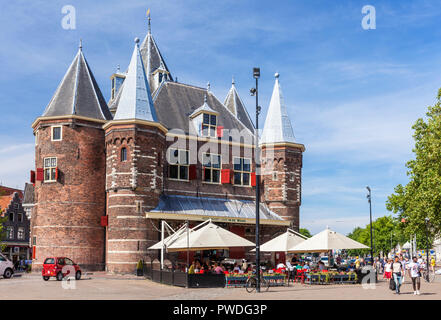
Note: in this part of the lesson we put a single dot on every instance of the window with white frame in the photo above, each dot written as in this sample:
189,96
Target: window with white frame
178,164
20,233
50,168
209,125
242,171
10,232
211,167
56,133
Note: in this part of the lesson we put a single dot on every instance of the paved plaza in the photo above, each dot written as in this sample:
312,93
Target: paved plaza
108,287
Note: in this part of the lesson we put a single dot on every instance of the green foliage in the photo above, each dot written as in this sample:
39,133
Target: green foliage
421,197
305,232
387,233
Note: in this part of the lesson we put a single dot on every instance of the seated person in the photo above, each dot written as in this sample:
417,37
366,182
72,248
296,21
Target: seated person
280,265
192,268
218,269
306,266
236,268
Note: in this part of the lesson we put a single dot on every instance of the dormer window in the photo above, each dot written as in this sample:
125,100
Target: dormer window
209,125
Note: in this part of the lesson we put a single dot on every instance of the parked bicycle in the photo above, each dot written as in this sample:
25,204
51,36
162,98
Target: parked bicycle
251,283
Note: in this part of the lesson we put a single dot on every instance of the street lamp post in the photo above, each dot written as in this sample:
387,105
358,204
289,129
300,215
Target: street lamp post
369,196
255,92
427,249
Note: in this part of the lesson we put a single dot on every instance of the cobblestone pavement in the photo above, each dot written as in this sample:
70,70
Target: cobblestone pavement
104,286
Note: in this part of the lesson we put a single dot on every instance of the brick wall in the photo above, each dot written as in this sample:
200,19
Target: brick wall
66,217
133,187
281,177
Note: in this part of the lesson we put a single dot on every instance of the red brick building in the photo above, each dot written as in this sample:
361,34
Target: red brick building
107,174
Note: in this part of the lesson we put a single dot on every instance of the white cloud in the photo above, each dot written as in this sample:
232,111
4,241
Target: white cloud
16,162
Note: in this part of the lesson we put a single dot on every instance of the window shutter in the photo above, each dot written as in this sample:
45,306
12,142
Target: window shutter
56,174
104,221
40,174
225,176
253,179
32,176
220,131
192,174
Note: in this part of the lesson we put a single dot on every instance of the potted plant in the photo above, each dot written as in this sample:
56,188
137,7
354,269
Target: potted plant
139,268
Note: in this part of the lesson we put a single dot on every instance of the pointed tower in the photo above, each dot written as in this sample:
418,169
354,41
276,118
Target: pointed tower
236,106
155,67
281,161
70,165
134,144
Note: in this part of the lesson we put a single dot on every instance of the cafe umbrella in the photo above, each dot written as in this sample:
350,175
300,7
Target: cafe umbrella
205,237
283,242
327,240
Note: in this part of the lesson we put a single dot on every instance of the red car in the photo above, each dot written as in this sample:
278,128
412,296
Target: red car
59,267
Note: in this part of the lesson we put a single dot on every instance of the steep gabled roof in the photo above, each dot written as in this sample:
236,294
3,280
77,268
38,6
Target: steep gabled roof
175,102
136,100
277,127
28,194
78,93
237,107
204,107
151,56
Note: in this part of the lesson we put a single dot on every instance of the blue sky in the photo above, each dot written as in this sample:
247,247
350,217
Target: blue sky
352,94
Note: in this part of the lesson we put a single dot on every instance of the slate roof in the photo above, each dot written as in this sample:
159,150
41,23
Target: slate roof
215,207
78,93
204,107
181,100
237,107
277,127
28,194
136,100
151,56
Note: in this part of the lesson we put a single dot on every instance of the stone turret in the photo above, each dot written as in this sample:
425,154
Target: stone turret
135,141
281,161
70,162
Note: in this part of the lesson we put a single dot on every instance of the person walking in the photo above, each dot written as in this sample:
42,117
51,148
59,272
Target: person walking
388,269
432,264
397,272
415,275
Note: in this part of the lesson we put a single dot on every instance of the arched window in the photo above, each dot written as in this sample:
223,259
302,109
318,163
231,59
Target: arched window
123,154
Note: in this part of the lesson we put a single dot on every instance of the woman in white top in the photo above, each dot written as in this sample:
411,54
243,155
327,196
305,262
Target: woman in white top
415,275
388,269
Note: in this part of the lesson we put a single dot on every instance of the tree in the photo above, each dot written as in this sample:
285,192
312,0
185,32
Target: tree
421,197
387,234
305,232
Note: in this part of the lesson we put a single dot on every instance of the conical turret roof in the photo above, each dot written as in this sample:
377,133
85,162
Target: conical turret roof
277,127
236,106
151,57
78,93
136,99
